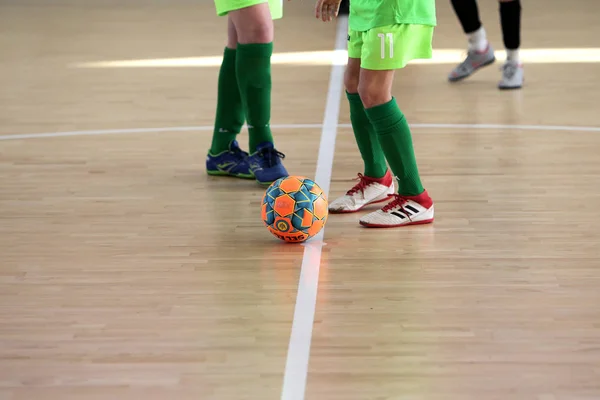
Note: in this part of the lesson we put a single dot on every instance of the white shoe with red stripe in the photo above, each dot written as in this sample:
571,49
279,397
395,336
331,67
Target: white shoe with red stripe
401,211
366,191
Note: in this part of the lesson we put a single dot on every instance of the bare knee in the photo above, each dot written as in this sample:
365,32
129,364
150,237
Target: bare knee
352,75
253,24
375,87
259,33
372,95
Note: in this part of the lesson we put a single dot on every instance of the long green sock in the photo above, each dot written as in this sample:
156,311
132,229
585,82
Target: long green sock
366,138
396,142
229,118
253,67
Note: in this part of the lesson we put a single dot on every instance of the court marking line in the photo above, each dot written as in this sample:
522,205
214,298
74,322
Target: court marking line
297,126
298,354
308,58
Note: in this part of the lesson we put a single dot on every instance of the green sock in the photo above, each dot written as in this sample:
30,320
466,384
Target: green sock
253,69
396,142
366,138
229,118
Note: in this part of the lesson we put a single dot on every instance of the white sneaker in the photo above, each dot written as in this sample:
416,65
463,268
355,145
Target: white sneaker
401,211
366,191
512,76
474,61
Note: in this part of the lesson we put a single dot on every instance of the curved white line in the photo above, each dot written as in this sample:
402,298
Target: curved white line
299,126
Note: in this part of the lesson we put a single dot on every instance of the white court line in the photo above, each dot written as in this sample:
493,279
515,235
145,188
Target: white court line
511,127
301,58
296,366
140,130
299,126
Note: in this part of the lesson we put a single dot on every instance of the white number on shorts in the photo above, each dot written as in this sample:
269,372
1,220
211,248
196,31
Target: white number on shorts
390,38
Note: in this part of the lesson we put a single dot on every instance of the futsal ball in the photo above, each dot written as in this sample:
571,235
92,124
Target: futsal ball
294,209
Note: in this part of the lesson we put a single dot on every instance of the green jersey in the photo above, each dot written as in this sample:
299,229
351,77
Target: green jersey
369,14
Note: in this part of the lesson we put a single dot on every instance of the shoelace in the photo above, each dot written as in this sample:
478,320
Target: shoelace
362,184
398,201
468,61
241,154
270,156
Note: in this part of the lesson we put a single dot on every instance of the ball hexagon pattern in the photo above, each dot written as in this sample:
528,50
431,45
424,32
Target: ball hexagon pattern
294,209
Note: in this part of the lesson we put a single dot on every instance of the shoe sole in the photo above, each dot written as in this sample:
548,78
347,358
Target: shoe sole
367,225
460,78
270,183
510,87
264,183
228,174
360,208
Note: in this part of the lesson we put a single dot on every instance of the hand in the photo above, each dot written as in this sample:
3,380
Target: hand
327,10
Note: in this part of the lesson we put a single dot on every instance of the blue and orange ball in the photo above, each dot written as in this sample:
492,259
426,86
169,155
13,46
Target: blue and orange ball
294,209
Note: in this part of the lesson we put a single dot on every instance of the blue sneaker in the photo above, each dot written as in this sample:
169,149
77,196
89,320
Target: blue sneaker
266,164
232,162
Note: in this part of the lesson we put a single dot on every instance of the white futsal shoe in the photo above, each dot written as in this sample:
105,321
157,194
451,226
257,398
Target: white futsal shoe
366,191
401,211
512,76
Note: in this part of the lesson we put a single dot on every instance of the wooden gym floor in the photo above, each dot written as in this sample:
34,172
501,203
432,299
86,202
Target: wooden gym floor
127,273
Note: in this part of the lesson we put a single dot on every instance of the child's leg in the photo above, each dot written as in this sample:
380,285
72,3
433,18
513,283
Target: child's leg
510,20
480,52
376,184
468,15
401,43
254,27
229,117
392,129
225,157
366,139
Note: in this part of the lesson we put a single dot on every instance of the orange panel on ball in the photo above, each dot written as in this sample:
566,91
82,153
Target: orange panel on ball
284,205
320,208
316,227
307,218
290,184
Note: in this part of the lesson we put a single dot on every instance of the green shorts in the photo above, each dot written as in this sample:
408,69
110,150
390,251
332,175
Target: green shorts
225,6
390,47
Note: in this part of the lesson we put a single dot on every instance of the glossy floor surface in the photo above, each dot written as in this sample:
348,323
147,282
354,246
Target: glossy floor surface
127,273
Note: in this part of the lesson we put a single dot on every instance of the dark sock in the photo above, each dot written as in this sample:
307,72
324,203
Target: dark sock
396,141
510,19
229,117
468,14
253,67
344,7
366,138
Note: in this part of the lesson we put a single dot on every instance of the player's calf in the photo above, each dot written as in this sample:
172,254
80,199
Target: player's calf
366,138
254,27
